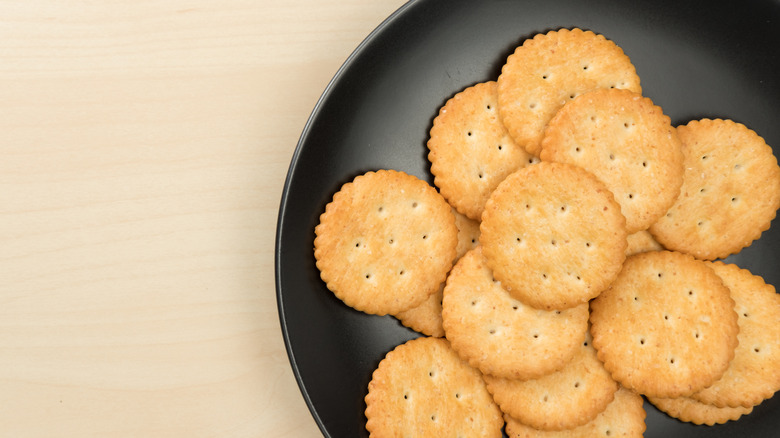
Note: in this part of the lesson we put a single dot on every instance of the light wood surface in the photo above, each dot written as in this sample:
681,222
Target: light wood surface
144,146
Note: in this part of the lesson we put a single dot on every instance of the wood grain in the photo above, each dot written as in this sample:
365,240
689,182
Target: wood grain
144,149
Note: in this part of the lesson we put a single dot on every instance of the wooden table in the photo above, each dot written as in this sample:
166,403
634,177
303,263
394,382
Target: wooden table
144,149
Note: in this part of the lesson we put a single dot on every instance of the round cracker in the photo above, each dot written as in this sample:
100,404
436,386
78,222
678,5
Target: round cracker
471,151
730,193
623,417
426,318
385,242
422,388
692,411
565,399
499,334
551,69
628,143
753,374
562,226
666,327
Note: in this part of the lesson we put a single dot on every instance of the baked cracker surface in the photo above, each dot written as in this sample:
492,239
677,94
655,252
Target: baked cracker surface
385,242
565,399
503,336
470,150
753,375
730,192
423,389
562,226
549,70
623,417
666,327
628,143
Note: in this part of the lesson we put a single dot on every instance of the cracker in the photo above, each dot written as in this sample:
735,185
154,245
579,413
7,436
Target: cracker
562,226
730,193
641,241
623,417
691,411
565,399
753,374
471,151
551,69
666,327
628,143
426,318
422,388
499,334
385,242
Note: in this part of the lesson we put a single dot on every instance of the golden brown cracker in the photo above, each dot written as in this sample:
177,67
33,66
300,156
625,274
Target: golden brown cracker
692,411
730,193
666,327
562,226
426,318
753,374
422,388
551,69
641,241
385,242
628,143
623,417
471,151
564,399
499,334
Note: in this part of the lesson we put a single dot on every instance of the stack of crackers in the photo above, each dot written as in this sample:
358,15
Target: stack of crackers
565,263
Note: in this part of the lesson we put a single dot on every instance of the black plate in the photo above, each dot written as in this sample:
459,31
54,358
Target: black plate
695,59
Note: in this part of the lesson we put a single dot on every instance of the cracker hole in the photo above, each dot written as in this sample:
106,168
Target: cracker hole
401,272
391,241
368,276
414,205
532,105
737,166
457,395
492,331
611,156
607,432
474,303
585,343
636,298
425,236
745,315
625,125
488,106
469,133
473,240
500,147
666,317
536,335
577,149
433,417
380,209
757,350
357,245
700,223
734,199
572,96
660,274
690,293
515,307
544,399
612,86
557,312
671,360
576,384
584,67
696,335
563,208
553,242
630,196
544,76
519,240
587,244
592,118
480,175
527,206
406,396
702,190
644,163
579,278
642,341
431,373
704,157
544,276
